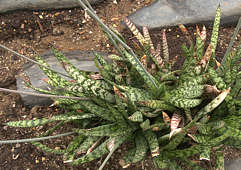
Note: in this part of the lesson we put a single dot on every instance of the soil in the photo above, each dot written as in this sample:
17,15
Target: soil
31,32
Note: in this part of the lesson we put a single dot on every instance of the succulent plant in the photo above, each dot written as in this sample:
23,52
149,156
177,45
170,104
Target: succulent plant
138,98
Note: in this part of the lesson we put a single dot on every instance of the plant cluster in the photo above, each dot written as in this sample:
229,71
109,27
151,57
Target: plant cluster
138,98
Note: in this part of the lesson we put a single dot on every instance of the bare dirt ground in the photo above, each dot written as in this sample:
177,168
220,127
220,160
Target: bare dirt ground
28,32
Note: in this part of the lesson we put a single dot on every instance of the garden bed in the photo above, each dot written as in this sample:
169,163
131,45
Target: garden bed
28,32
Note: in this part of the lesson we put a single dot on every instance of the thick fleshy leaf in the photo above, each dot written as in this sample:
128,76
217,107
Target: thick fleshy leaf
203,34
175,141
116,113
144,61
219,161
199,44
148,38
153,142
98,152
87,143
188,54
194,81
186,33
150,114
112,146
160,162
233,142
141,148
166,118
183,153
89,88
157,104
39,122
188,92
184,103
199,138
116,57
135,94
165,47
205,154
47,149
72,147
97,110
136,117
114,129
188,114
175,121
64,102
100,59
219,82
157,57
174,132
55,78
74,72
145,125
214,37
126,161
213,104
93,146
149,79
135,31
158,126
204,61
208,128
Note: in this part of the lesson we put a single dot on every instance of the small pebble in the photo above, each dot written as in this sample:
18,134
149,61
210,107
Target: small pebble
43,159
17,145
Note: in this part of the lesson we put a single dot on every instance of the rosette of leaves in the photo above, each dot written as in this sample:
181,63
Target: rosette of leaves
138,98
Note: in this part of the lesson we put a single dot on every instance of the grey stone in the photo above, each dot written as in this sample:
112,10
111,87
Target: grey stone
173,12
9,5
81,59
234,164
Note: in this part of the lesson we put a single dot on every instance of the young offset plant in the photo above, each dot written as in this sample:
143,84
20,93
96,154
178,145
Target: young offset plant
138,98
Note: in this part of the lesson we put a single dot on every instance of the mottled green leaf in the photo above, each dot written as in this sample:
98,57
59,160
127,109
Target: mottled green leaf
188,92
136,117
205,154
153,142
149,80
72,147
47,149
145,125
87,143
157,104
219,161
184,103
54,77
127,158
114,129
214,37
141,148
39,122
